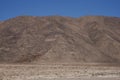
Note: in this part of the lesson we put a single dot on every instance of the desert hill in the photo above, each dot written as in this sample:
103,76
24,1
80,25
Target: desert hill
29,39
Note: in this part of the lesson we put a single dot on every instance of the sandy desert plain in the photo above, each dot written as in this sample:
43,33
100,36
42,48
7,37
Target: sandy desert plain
60,71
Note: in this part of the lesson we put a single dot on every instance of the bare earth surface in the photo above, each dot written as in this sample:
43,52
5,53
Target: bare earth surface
89,39
26,42
59,72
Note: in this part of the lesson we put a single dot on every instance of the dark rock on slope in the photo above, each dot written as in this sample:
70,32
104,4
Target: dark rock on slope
92,39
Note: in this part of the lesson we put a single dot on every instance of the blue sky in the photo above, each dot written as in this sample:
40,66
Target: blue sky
72,8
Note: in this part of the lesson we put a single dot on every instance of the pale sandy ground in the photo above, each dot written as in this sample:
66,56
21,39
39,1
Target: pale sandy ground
59,72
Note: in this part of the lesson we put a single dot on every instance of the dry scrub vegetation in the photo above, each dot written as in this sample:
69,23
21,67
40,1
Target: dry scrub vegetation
51,71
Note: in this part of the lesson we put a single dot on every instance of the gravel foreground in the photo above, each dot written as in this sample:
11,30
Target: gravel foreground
87,78
59,72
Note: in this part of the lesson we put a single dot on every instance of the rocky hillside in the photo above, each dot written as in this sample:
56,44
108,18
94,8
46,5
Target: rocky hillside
91,39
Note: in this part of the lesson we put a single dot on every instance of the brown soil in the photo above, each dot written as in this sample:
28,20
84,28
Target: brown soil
51,39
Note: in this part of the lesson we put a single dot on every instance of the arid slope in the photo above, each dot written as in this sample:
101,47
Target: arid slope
91,39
